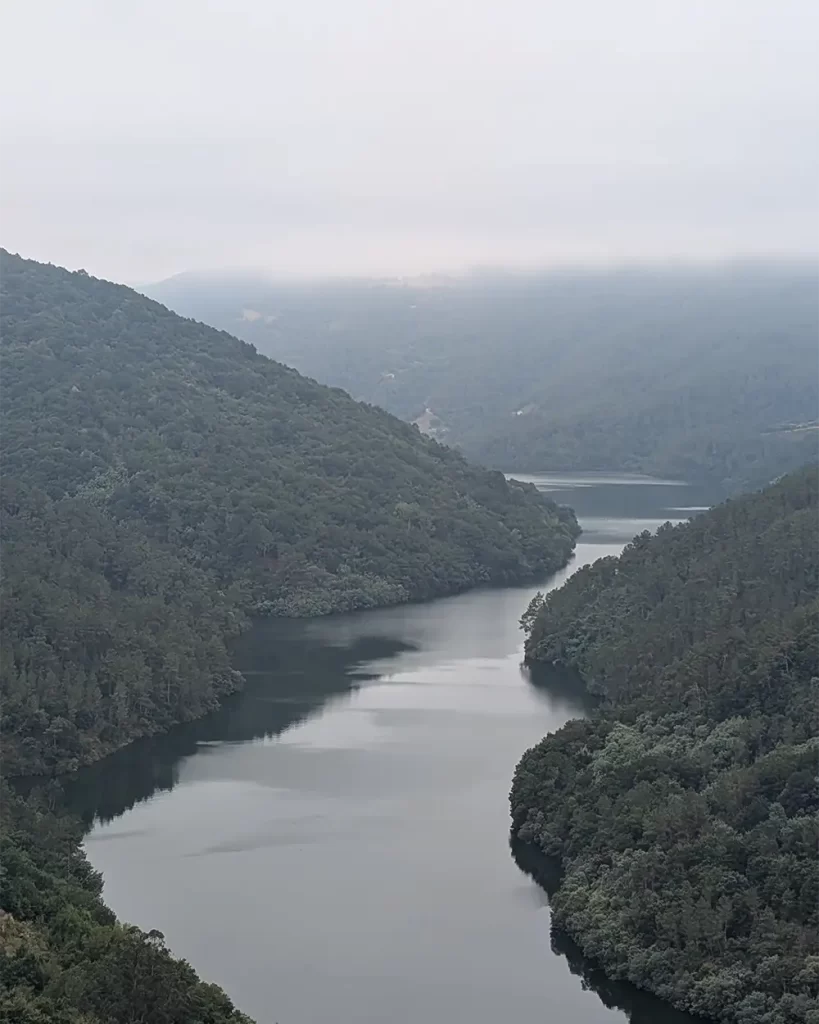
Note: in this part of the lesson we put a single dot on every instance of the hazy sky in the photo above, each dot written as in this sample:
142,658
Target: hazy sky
145,137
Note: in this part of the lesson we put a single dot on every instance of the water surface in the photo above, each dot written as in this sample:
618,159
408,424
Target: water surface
333,844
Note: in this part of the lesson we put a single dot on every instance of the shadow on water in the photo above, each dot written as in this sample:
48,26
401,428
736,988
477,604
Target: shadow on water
277,665
556,682
449,689
640,1007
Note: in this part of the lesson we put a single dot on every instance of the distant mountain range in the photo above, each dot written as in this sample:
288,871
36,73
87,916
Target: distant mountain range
161,479
701,373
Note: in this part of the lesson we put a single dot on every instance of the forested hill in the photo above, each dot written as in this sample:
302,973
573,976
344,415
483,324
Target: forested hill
313,502
705,374
161,478
64,959
685,810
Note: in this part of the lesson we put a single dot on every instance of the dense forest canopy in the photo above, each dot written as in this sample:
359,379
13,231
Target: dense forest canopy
684,811
700,374
64,959
313,502
161,480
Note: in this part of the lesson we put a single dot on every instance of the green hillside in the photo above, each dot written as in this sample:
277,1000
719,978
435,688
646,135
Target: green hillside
314,502
64,959
684,811
161,479
707,374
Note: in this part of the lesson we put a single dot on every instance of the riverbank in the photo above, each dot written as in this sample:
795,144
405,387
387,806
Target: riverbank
327,808
684,810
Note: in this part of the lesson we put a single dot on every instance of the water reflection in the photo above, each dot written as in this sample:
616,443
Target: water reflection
640,1007
347,813
623,497
286,681
556,683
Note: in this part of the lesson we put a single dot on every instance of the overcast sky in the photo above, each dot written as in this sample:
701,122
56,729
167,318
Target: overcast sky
141,138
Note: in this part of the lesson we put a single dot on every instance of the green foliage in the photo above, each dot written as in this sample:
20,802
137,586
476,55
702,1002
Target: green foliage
248,469
684,810
63,957
701,374
162,479
104,636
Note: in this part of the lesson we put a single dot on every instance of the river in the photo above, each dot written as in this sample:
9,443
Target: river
332,846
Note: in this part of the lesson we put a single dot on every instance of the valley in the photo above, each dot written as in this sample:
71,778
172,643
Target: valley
346,814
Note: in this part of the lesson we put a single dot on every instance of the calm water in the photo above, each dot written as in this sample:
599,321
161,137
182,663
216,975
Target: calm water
333,845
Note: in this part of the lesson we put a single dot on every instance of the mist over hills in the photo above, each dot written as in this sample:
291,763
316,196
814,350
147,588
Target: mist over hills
162,478
706,373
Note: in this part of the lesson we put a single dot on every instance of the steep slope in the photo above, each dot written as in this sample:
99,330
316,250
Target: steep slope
104,636
161,478
685,810
706,374
254,471
63,957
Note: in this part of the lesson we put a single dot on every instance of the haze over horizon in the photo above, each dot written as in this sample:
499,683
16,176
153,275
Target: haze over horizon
390,140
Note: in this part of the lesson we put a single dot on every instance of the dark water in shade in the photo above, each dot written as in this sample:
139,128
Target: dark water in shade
332,846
